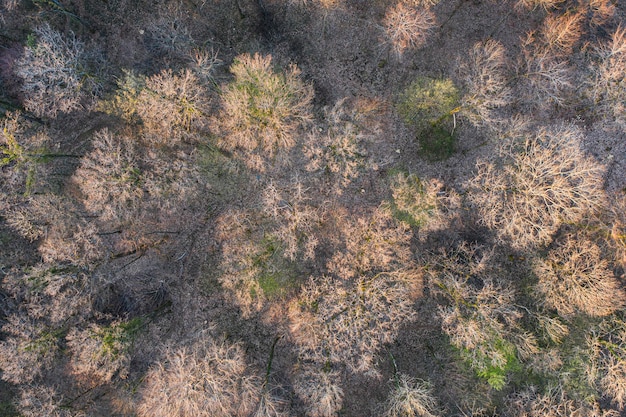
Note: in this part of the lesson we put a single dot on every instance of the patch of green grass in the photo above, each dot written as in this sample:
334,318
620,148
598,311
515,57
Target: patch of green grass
5,238
7,409
116,339
496,376
428,105
437,142
412,202
277,274
225,175
46,343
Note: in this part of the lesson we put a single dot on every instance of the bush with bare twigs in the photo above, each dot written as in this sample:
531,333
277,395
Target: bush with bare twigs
346,323
574,278
39,400
261,249
544,78
54,73
49,298
62,233
101,353
131,196
559,33
616,228
169,105
608,355
345,318
601,11
208,379
607,83
263,108
534,4
338,149
295,219
408,26
109,176
483,74
30,347
537,185
369,244
480,315
25,150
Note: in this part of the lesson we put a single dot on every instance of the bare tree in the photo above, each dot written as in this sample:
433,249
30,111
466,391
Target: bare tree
606,85
408,26
537,185
608,356
482,72
345,319
574,278
54,73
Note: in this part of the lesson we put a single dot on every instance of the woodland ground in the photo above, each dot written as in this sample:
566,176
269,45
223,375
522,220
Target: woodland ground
303,207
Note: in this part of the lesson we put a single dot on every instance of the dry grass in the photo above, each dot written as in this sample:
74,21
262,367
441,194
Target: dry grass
410,398
207,379
408,26
575,279
320,391
263,109
415,202
554,403
537,186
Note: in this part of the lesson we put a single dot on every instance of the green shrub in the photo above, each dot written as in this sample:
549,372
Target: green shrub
263,108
